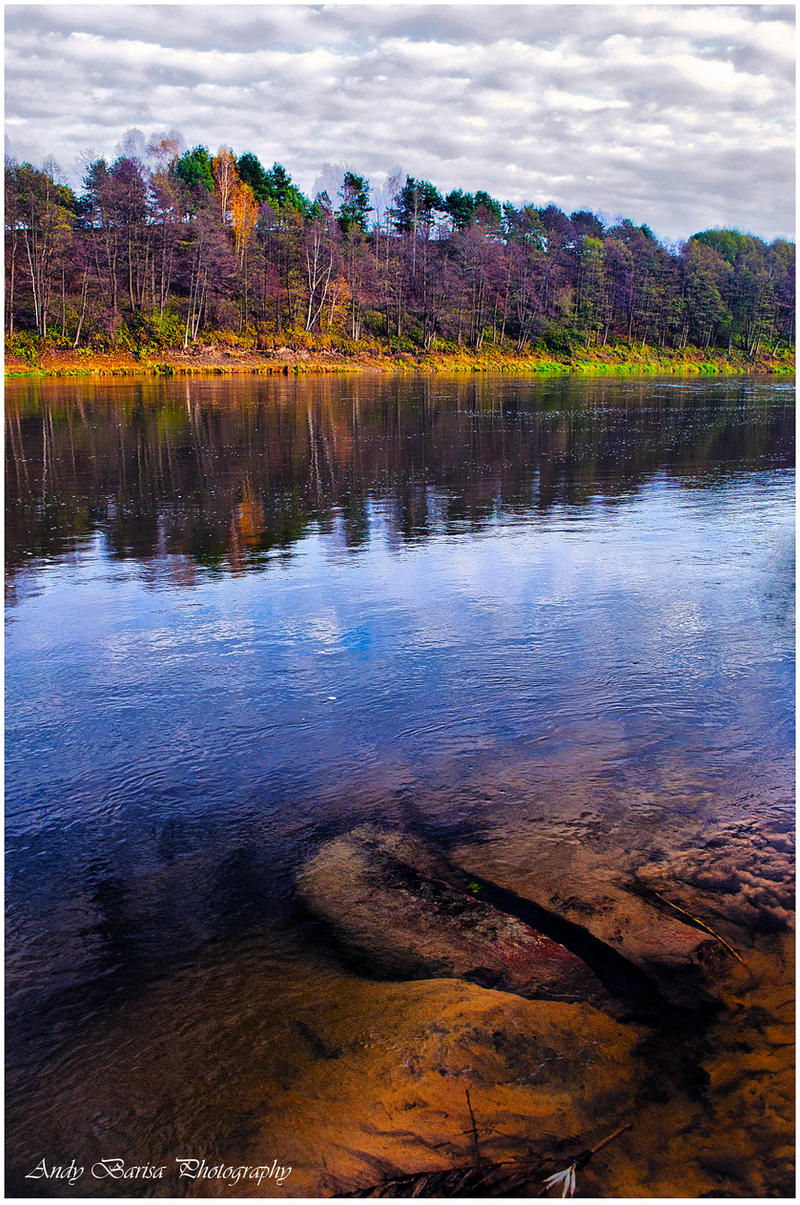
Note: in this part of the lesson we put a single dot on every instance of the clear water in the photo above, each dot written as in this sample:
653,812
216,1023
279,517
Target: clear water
244,615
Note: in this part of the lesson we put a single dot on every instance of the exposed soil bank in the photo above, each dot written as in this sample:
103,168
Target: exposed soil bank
220,359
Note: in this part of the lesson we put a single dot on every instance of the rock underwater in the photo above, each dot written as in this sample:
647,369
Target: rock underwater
400,909
392,905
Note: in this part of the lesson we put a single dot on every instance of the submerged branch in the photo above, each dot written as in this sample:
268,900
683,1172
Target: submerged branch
701,924
479,1179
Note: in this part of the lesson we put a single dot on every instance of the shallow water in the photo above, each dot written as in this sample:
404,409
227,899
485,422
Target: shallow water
245,616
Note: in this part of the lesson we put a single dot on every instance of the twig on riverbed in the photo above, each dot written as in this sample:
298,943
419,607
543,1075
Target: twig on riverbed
485,1179
699,922
567,1176
474,1130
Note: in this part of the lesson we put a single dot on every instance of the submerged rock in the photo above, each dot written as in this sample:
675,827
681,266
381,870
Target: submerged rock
682,961
392,905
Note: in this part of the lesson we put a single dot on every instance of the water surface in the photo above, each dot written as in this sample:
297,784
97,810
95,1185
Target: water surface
243,616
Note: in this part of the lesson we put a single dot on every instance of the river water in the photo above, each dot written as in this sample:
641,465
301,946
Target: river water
245,616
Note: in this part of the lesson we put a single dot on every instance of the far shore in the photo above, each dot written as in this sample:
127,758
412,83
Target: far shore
220,359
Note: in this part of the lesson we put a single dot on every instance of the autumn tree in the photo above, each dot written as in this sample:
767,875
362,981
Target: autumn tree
223,167
41,213
127,201
705,272
166,214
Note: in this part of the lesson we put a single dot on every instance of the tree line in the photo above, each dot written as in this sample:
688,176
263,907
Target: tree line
173,249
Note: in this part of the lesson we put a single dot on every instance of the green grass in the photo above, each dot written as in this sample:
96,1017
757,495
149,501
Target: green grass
613,359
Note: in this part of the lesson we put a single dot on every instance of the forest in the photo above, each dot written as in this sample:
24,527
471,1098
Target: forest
184,248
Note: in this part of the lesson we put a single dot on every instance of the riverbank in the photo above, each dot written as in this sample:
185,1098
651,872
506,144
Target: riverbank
221,359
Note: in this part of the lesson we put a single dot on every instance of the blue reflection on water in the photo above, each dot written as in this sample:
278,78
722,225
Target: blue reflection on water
128,701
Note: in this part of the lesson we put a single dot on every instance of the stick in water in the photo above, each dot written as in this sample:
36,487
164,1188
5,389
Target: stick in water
474,1129
699,922
566,1178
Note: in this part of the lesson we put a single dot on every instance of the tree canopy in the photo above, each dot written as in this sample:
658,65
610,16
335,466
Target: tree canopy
183,244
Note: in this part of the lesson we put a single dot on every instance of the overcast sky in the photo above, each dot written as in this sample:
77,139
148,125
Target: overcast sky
681,117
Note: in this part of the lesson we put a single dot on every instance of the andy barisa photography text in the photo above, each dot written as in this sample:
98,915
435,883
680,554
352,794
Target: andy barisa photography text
188,1169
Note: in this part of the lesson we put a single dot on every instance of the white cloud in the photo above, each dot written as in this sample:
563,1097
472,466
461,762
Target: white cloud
530,102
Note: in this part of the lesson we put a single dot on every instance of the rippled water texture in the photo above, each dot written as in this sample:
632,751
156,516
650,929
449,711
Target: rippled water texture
530,620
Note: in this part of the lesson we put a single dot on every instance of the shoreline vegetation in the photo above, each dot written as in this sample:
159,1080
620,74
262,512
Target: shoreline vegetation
174,262
223,358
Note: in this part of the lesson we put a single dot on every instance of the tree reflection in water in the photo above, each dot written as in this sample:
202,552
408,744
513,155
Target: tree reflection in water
224,475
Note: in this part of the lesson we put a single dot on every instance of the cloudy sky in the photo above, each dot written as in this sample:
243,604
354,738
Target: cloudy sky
679,116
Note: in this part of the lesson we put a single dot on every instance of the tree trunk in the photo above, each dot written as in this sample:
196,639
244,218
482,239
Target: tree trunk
84,294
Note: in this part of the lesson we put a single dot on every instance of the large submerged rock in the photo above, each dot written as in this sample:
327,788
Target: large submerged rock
680,959
392,905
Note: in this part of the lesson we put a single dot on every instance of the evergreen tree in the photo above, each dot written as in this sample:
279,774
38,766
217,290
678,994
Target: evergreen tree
355,206
194,169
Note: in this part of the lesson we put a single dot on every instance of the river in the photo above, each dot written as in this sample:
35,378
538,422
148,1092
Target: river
244,616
